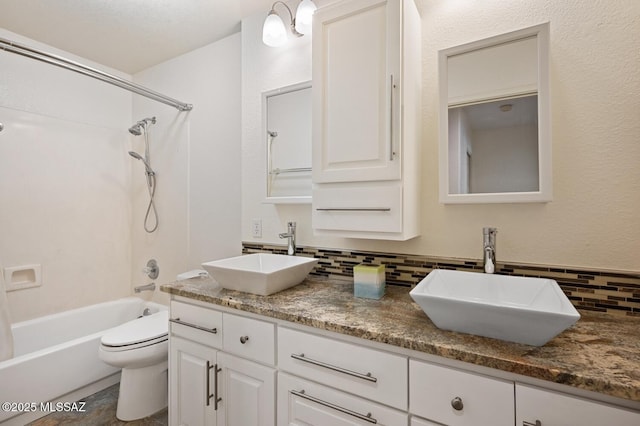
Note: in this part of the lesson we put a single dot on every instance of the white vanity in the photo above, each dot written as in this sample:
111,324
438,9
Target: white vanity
313,355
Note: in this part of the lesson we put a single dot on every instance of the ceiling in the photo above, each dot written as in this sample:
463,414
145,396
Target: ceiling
128,35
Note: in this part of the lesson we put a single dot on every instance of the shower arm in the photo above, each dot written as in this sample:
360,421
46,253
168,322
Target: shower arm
13,47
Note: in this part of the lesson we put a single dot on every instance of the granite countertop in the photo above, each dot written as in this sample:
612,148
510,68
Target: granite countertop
600,353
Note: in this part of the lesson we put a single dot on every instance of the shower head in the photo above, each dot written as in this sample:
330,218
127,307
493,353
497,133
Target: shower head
141,126
136,129
146,164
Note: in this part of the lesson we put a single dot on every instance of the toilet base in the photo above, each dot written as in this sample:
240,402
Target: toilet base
143,391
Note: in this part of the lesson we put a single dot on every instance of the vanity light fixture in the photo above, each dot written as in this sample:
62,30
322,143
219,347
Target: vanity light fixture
274,33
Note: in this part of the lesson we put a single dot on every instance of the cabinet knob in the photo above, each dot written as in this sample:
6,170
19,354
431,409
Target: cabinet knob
244,339
537,423
457,404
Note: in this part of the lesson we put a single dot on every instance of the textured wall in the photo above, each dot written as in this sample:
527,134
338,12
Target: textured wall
595,103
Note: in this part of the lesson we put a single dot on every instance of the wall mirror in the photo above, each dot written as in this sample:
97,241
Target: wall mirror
287,136
495,140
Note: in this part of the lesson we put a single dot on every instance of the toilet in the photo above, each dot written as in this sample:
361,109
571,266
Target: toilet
140,348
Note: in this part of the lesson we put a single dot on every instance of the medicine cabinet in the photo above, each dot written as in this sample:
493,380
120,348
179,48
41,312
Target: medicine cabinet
495,139
287,138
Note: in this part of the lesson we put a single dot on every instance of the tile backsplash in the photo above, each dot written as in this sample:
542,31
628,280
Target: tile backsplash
615,293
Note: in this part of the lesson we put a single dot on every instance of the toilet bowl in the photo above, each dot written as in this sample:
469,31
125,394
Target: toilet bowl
140,348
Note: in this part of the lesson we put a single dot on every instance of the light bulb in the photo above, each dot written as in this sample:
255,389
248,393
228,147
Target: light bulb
274,33
304,16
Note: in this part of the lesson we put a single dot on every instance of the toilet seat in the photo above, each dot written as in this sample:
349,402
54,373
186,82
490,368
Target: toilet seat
138,333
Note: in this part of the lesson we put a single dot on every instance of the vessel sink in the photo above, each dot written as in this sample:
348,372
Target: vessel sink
516,309
260,273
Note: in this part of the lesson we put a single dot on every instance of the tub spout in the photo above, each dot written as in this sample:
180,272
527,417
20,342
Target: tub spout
140,288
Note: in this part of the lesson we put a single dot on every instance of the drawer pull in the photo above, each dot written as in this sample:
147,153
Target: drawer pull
537,423
366,417
244,339
354,209
367,376
198,327
457,404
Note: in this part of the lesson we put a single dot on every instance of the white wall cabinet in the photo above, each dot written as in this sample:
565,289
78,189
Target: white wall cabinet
329,380
208,385
366,119
539,407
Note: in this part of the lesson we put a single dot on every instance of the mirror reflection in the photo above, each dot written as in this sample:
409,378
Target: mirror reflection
288,139
493,146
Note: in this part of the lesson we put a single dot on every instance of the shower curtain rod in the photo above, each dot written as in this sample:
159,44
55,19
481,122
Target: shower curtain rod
13,47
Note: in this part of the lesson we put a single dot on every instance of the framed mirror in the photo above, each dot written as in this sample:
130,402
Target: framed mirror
495,139
287,135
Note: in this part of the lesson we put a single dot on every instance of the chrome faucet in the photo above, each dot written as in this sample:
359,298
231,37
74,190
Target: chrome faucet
290,235
140,288
489,249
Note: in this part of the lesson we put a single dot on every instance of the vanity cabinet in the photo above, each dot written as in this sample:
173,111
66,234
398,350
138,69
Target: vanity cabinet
539,407
214,378
366,119
232,368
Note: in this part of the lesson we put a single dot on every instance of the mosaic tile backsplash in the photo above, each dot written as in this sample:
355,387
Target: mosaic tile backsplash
593,290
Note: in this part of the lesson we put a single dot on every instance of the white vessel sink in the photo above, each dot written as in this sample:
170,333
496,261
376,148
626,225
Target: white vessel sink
260,273
516,309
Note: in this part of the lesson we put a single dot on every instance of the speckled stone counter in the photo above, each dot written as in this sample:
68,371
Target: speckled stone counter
600,353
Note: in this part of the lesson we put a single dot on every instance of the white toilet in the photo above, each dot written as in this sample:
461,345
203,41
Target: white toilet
140,347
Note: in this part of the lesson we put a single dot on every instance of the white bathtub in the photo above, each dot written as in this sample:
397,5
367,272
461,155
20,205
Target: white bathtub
57,354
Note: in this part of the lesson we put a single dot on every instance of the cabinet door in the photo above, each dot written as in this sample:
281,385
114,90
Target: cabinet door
538,407
191,376
458,398
356,91
248,393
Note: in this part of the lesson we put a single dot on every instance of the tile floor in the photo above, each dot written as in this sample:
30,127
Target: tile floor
100,410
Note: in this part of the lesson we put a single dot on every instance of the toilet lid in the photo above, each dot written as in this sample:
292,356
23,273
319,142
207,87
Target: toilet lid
138,330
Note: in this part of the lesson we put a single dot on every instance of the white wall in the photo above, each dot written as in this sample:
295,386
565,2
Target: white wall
263,69
196,156
64,183
592,221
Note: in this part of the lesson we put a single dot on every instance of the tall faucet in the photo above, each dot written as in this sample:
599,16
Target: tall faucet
290,235
489,249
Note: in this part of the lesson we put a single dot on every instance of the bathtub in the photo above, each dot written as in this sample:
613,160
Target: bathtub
57,355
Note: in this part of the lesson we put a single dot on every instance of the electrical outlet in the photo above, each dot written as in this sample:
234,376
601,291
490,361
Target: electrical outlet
256,228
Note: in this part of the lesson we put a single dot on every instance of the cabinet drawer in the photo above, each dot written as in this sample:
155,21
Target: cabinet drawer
372,374
303,402
552,408
358,207
249,338
455,397
196,323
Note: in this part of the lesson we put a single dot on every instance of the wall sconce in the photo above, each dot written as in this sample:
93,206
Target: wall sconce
274,33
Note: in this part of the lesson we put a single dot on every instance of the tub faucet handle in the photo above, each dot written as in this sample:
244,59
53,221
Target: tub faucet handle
152,270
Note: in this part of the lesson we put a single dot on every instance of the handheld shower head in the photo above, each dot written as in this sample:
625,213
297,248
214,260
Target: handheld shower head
146,164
